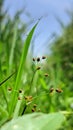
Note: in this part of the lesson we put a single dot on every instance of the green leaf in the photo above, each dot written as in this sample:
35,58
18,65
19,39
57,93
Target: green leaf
21,68
36,121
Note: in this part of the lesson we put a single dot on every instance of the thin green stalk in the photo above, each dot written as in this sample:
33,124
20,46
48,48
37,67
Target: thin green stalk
31,83
17,108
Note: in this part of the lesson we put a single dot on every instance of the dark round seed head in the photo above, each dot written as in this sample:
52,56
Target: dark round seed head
59,90
46,75
34,105
19,98
43,57
38,68
33,110
9,89
38,59
20,91
26,97
33,59
51,90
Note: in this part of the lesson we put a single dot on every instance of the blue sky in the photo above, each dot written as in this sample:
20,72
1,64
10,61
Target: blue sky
48,25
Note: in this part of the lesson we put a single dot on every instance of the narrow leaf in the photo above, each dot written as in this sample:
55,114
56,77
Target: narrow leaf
21,68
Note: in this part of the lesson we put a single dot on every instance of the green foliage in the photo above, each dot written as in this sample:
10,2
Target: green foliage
38,84
61,63
62,52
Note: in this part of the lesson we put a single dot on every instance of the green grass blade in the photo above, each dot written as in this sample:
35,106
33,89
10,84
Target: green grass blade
21,68
12,49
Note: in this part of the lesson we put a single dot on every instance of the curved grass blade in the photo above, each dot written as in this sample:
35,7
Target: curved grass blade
21,68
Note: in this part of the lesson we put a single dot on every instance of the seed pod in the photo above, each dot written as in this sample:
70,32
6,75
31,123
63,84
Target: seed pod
9,89
59,90
20,91
43,57
19,98
38,59
34,105
26,97
38,68
33,110
51,90
33,59
30,97
46,75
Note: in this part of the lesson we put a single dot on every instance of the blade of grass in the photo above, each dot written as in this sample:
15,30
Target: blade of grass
12,49
21,68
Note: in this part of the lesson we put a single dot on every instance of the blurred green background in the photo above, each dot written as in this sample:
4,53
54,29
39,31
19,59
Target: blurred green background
56,69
